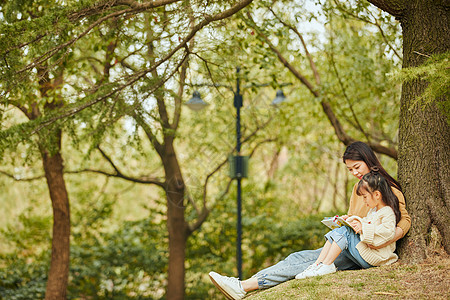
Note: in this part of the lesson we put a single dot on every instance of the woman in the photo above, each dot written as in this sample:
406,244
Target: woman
359,159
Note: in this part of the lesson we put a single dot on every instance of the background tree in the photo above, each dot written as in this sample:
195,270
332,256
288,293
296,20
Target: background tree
102,88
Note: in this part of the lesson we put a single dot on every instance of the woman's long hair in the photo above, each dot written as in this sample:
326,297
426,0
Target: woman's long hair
362,152
374,181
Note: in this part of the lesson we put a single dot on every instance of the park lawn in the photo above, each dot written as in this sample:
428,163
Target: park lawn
429,280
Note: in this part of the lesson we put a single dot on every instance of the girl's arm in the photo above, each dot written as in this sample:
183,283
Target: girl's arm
403,225
380,234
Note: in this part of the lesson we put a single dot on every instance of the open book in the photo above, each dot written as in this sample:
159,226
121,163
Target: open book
335,222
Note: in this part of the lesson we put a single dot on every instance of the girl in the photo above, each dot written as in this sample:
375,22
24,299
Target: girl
377,228
359,158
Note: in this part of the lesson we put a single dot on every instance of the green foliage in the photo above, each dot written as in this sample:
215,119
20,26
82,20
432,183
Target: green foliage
436,72
22,279
119,246
128,261
23,269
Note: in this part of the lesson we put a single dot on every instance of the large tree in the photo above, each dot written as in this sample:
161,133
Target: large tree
423,147
424,132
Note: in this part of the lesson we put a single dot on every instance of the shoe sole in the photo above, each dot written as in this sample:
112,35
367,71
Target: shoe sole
221,289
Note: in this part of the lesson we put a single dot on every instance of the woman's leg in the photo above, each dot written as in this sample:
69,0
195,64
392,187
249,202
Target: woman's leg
250,284
282,271
286,269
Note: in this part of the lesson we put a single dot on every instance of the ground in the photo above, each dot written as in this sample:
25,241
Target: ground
428,280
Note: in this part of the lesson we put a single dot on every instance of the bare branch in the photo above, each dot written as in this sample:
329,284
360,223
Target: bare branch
109,160
281,58
21,179
143,180
300,36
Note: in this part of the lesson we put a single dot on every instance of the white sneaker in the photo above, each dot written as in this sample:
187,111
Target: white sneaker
229,286
317,270
325,269
307,271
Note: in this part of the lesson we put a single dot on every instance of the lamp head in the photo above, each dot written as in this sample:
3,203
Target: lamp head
196,103
279,98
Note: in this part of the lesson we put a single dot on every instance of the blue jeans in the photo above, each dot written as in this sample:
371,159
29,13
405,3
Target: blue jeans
347,239
296,263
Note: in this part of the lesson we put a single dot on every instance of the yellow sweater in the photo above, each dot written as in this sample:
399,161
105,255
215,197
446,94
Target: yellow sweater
378,227
359,208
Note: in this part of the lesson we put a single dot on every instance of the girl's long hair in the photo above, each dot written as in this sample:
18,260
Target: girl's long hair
362,152
374,181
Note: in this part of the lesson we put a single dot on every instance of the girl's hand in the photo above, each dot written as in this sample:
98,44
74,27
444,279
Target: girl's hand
345,217
357,226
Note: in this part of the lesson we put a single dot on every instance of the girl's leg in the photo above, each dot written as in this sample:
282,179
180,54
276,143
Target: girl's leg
353,240
332,254
323,254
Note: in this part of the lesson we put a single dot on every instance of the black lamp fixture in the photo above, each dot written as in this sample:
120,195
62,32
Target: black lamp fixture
279,98
196,103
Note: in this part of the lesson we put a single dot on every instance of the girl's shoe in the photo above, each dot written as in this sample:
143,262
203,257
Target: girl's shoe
307,271
317,270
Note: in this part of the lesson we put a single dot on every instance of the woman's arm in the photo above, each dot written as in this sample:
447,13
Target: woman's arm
405,220
398,235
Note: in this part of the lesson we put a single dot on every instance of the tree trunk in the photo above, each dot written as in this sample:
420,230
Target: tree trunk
176,224
59,266
424,133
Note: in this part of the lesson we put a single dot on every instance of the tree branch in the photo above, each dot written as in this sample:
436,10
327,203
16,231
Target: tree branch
143,180
135,77
300,36
374,23
326,106
393,7
281,58
21,179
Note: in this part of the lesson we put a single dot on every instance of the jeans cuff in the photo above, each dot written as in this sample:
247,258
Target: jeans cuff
261,280
338,238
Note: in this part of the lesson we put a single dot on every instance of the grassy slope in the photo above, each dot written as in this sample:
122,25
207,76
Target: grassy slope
429,280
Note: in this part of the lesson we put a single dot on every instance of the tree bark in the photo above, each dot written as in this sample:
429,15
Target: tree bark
424,133
176,223
59,266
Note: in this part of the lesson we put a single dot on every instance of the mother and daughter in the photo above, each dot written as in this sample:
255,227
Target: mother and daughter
378,218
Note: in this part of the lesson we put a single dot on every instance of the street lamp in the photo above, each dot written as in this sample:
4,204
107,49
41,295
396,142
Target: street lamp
238,162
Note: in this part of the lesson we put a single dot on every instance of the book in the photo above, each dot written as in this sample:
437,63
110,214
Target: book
335,222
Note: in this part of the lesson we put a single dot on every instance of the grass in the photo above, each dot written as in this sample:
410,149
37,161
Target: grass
429,280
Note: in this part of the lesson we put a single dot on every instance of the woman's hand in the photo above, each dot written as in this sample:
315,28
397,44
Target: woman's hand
378,247
357,226
397,236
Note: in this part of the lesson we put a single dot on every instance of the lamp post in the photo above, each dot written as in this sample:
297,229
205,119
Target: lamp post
238,163
238,105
